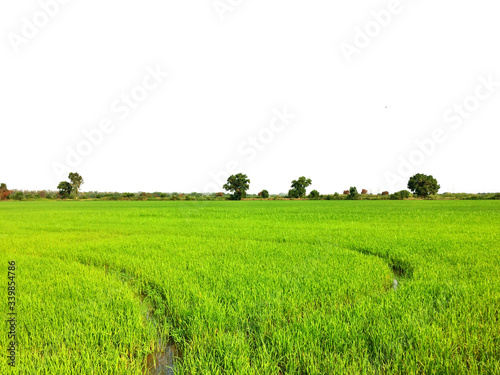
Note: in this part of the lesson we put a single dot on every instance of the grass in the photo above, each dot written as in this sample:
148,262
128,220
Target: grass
295,287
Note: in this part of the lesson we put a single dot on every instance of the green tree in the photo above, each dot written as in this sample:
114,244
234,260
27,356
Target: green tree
237,184
65,189
264,194
314,194
299,187
353,193
76,182
423,185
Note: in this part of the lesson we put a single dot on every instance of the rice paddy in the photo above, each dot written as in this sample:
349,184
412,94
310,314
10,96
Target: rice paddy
253,287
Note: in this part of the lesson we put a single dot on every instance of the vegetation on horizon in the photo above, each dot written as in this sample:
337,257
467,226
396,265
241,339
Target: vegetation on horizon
422,186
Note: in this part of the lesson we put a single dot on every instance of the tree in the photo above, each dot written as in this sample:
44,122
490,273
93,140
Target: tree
76,182
423,185
238,185
353,193
4,192
264,194
299,187
65,189
314,194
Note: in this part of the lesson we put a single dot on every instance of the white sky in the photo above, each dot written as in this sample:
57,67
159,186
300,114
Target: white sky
64,69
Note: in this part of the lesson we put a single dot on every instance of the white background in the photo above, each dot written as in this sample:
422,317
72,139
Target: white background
354,120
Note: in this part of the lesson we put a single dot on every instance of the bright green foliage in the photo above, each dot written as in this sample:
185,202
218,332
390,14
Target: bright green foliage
299,187
238,185
423,185
353,193
265,287
65,189
76,182
314,194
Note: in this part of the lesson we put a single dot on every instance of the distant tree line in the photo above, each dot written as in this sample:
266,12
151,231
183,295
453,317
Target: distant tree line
419,185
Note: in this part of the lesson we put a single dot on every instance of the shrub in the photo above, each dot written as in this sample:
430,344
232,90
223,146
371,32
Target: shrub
334,197
264,194
314,194
142,196
474,197
405,194
400,195
18,196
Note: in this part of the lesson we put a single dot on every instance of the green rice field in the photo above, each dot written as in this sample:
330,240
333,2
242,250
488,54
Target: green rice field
253,287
